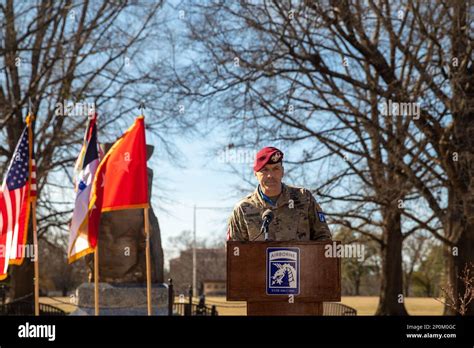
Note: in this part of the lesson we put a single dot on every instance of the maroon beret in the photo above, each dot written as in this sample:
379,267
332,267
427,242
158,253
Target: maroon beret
267,155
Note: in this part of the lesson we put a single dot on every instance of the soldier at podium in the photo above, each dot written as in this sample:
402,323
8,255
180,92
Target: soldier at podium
296,214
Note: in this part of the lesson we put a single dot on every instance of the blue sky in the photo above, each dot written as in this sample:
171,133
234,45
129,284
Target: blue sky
204,181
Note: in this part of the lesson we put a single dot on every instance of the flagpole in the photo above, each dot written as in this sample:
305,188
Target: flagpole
36,249
29,120
147,234
148,262
96,279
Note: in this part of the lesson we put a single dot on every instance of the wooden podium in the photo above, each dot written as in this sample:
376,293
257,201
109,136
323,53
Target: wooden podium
283,278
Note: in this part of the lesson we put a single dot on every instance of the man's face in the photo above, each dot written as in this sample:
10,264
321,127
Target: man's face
269,178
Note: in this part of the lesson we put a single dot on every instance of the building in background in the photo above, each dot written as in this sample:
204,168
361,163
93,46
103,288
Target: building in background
213,287
210,273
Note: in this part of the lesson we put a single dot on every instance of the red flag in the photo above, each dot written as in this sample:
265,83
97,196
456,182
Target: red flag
121,180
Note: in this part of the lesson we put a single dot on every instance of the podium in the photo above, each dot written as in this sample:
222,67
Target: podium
283,278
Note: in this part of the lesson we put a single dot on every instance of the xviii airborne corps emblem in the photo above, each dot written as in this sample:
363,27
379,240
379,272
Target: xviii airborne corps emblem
283,271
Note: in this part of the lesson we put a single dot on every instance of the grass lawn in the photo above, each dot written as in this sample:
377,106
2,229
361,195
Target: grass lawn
365,305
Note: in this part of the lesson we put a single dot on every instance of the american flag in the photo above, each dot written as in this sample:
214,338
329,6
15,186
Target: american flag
16,193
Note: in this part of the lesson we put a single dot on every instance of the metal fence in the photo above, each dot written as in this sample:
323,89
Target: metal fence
26,306
188,308
332,308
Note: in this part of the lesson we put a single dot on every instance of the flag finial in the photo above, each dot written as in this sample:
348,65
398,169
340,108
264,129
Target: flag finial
141,107
30,118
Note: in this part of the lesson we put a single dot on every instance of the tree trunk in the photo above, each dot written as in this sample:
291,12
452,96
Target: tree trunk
357,287
391,300
460,217
407,285
457,258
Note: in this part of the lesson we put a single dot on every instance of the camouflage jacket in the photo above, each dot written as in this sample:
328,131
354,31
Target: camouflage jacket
297,216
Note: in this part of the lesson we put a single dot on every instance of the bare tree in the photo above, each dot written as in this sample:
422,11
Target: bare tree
416,250
59,58
459,302
358,268
319,75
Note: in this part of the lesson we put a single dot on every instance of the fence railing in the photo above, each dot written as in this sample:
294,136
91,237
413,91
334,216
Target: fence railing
26,306
332,308
188,308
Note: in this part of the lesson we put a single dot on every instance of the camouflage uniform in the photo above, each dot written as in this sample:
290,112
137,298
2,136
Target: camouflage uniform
297,217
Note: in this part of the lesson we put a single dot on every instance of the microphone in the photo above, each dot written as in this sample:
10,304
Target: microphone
267,218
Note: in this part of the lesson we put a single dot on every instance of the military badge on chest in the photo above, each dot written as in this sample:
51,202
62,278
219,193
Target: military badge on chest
283,271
